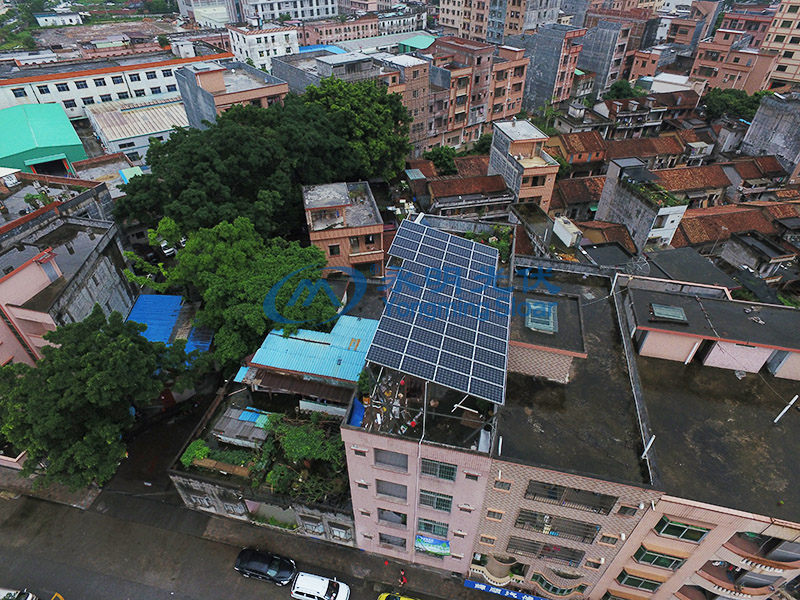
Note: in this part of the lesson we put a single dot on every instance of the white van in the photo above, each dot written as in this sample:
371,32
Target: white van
313,587
16,595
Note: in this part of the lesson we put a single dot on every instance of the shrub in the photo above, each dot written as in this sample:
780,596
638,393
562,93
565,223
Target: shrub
198,449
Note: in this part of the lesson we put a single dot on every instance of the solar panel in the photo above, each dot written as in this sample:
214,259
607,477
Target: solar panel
444,322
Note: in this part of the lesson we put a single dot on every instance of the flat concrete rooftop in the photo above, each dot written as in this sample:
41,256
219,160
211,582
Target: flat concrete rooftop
715,441
589,425
337,205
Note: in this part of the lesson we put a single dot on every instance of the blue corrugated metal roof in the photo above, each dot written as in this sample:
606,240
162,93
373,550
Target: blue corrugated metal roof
340,354
240,374
334,49
414,174
159,313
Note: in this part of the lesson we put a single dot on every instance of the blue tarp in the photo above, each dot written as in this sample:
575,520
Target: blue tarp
334,49
357,416
161,314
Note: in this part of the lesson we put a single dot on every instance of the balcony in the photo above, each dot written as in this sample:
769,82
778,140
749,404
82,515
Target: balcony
750,555
716,579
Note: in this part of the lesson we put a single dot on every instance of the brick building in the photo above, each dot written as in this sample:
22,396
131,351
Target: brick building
729,61
331,31
783,38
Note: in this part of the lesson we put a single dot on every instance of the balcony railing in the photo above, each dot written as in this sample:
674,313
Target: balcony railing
749,552
717,577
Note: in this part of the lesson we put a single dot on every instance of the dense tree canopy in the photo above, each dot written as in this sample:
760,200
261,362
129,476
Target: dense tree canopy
71,410
442,158
252,161
734,103
622,89
232,268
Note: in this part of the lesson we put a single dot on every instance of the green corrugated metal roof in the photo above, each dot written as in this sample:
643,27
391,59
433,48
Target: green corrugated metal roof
420,42
579,72
29,126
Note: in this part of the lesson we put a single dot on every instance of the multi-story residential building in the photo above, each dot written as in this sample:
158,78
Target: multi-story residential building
756,178
650,61
76,85
344,222
729,61
662,152
753,20
405,20
783,37
775,130
697,187
58,261
518,155
632,198
639,28
465,18
209,90
413,84
480,196
697,25
258,13
582,85
579,119
553,52
331,31
631,118
584,152
539,12
309,68
260,46
57,19
603,52
472,83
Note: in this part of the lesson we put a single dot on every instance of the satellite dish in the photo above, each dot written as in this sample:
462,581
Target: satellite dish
638,265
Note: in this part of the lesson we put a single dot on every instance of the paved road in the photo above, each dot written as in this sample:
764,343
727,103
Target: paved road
87,555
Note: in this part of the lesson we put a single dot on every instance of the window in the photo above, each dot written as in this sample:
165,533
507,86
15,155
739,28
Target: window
792,9
434,527
19,92
333,250
435,500
81,85
70,104
780,38
638,582
788,54
341,532
43,89
501,485
592,564
626,511
155,90
794,40
99,82
657,559
117,79
354,244
392,518
135,77
363,485
392,490
786,24
105,97
781,68
172,88
150,75
127,145
609,539
166,73
359,452
440,470
570,497
562,527
691,533
123,95
392,460
494,515
471,476
555,590
138,93
390,540
487,540
87,101
312,524
369,240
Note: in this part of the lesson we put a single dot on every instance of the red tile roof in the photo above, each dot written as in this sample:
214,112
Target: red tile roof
676,100
426,166
756,167
747,169
472,166
693,178
788,194
770,166
579,190
643,147
780,210
705,225
609,232
464,186
586,141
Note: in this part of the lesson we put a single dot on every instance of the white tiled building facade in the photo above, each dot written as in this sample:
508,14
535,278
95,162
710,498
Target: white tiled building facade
261,45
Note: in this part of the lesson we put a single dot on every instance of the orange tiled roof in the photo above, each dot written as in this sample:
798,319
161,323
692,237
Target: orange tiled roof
585,141
643,147
705,225
769,165
464,186
472,166
693,178
609,232
788,194
747,169
426,166
678,99
579,190
780,210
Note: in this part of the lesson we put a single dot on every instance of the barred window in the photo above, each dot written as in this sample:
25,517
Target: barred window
440,470
434,527
436,500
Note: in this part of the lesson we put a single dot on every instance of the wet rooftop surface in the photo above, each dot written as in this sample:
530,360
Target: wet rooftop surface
107,172
715,441
588,425
565,313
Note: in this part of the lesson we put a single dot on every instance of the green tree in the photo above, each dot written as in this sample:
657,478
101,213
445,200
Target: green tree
373,122
284,17
564,168
733,103
482,146
442,158
69,413
163,41
622,89
232,268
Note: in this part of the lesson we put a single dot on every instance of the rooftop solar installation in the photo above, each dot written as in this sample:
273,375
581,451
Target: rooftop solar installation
445,321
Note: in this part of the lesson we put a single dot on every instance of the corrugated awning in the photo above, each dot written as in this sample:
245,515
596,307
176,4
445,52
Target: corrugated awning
44,159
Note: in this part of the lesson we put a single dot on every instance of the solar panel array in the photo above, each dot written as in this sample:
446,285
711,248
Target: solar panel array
445,321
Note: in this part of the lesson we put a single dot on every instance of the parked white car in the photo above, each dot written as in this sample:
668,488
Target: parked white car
313,587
